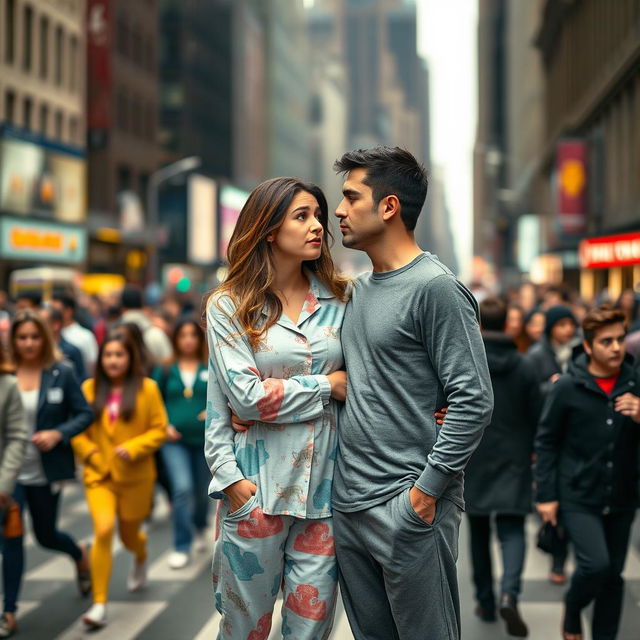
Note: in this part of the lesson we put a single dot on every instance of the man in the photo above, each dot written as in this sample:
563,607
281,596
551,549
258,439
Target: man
75,333
28,300
54,319
586,470
498,476
155,339
412,343
550,357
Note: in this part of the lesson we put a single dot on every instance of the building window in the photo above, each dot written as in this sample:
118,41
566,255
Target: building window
122,109
73,130
27,114
27,40
149,122
150,61
44,119
58,125
122,36
136,45
124,178
73,63
136,128
9,30
58,55
10,106
44,47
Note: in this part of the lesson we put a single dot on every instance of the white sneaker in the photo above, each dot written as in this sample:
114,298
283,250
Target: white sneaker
178,560
200,542
138,576
96,616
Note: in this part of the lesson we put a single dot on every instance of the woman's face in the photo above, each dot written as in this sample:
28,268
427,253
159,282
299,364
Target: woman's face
301,233
115,360
535,326
188,341
28,342
515,320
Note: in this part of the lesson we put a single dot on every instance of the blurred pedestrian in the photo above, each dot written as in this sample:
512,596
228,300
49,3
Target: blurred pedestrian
28,300
53,318
183,385
515,328
498,477
629,304
55,411
550,357
156,339
74,332
273,329
119,471
534,322
13,441
587,469
134,332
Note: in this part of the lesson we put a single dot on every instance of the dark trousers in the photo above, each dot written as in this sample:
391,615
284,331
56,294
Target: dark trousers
600,544
510,530
43,509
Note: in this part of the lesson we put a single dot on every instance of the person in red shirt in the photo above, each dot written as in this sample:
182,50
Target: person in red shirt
586,473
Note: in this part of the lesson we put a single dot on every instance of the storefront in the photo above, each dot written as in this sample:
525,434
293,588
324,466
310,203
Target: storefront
609,262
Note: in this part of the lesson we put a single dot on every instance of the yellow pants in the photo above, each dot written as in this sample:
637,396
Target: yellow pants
130,504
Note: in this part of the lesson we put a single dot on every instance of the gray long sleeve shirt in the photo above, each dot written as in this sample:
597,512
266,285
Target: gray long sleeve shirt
412,344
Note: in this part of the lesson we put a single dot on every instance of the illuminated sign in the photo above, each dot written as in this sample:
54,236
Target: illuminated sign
231,202
610,251
572,185
24,240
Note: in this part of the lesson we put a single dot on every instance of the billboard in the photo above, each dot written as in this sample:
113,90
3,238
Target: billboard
571,161
610,251
230,204
99,83
37,179
202,244
22,239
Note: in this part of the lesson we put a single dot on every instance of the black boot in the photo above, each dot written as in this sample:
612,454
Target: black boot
486,614
510,614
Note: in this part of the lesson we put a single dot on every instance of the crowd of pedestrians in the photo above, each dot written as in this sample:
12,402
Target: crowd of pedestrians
86,391
331,420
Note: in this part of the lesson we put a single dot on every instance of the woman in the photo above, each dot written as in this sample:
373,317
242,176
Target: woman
274,339
534,323
119,471
55,411
184,389
515,328
13,440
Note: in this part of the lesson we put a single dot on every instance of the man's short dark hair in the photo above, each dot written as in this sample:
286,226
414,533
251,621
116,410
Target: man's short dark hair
34,297
66,300
391,171
131,297
493,314
55,315
599,318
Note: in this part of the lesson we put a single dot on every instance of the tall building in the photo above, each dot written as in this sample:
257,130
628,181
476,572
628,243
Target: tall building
122,97
42,134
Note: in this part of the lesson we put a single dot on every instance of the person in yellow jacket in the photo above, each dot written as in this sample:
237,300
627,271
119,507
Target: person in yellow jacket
119,469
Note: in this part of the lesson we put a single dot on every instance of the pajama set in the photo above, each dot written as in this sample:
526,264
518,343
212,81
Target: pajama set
283,536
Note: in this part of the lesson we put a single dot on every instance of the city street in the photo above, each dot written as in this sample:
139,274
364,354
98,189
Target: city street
177,605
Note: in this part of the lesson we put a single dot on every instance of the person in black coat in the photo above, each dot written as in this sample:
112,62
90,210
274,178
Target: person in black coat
550,358
587,449
498,477
55,411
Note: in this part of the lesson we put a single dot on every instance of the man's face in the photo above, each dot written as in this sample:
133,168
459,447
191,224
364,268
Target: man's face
563,331
608,349
66,313
360,219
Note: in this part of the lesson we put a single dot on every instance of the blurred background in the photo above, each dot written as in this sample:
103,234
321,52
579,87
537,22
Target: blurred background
132,132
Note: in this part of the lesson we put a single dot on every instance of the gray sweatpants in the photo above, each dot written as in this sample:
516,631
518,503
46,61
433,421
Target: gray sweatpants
397,573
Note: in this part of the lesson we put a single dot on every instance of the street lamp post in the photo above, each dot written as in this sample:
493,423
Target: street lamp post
155,180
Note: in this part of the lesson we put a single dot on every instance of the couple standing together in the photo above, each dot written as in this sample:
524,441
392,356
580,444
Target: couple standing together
313,491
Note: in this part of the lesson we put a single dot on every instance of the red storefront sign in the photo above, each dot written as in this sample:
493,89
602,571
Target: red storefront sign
610,251
572,186
99,64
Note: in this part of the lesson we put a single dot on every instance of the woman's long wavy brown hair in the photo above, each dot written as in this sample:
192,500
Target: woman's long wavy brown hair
249,283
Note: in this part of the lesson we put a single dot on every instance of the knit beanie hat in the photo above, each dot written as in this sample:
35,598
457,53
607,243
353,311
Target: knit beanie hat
555,314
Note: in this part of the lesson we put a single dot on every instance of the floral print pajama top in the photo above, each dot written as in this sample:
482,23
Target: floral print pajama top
290,451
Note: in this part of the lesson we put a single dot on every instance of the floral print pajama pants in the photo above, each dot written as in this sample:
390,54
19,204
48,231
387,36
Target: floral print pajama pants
255,556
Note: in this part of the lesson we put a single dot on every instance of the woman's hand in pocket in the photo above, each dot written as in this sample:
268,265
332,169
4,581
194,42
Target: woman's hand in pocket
239,493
